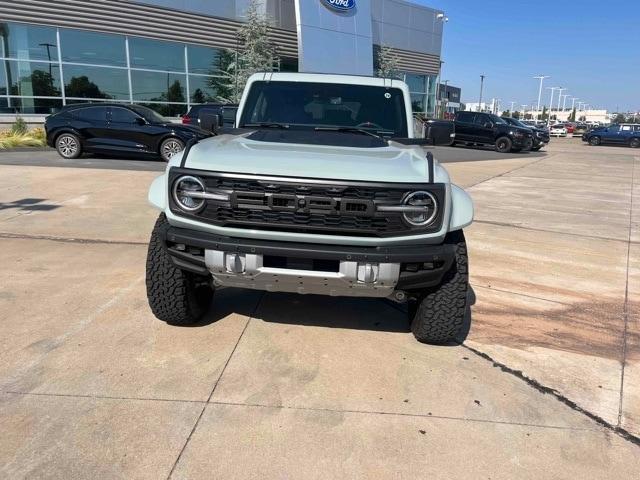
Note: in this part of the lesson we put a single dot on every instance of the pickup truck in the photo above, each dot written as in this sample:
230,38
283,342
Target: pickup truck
616,134
540,135
480,128
321,189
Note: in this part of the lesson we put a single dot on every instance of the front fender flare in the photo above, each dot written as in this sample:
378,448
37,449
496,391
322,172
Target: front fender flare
461,209
158,193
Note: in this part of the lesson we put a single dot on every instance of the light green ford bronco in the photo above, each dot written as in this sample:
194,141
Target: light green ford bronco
321,189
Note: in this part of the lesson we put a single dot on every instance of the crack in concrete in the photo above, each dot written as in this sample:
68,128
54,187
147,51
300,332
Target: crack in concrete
626,298
512,170
568,234
215,385
475,285
310,409
52,238
617,429
401,414
102,397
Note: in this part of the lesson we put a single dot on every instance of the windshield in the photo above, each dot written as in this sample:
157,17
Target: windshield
148,114
497,119
326,105
517,123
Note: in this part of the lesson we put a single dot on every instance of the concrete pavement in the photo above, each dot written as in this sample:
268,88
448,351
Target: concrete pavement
277,385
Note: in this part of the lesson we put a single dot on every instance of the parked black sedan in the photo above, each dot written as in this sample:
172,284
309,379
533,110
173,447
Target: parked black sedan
116,129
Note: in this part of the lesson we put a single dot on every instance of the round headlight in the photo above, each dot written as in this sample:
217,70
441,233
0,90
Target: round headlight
426,208
188,193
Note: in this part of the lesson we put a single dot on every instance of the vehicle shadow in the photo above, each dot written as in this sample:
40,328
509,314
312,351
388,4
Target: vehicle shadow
473,154
29,205
380,315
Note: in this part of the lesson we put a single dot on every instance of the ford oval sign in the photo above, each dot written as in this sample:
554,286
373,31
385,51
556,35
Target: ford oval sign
340,5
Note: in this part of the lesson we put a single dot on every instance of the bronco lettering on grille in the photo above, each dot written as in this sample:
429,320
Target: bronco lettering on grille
302,203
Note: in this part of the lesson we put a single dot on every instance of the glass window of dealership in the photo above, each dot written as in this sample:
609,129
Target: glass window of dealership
43,68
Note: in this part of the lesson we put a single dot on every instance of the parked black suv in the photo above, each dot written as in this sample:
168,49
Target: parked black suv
226,111
479,128
540,135
114,128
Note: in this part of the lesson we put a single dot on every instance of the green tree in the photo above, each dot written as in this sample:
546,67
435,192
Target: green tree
506,113
198,96
225,82
254,53
619,118
516,114
42,84
544,114
385,62
82,87
572,115
175,93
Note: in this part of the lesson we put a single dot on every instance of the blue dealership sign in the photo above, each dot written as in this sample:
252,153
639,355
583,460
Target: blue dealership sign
340,5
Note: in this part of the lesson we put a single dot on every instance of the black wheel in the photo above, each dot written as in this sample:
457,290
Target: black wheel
535,149
634,143
503,145
175,296
68,145
438,314
169,147
595,141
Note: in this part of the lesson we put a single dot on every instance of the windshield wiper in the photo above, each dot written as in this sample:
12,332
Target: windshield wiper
267,125
352,130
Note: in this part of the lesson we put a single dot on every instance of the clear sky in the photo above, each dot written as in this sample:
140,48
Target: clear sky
591,47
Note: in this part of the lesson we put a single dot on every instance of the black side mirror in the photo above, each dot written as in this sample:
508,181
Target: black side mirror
141,121
488,125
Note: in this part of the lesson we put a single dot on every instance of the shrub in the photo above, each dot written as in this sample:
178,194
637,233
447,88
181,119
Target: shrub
19,127
33,138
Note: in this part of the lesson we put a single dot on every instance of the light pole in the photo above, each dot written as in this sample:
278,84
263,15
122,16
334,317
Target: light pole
573,106
564,101
48,46
481,87
573,102
553,89
511,110
524,109
541,78
439,77
444,102
561,89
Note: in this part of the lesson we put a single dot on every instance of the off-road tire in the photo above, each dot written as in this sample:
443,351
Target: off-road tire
503,145
175,296
634,143
439,313
594,141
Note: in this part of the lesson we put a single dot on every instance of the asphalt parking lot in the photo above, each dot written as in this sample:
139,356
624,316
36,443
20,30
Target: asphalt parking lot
545,385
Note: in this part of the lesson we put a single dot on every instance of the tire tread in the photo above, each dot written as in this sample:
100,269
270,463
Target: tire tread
440,313
173,294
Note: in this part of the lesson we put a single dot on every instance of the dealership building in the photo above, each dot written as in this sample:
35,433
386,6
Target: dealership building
169,54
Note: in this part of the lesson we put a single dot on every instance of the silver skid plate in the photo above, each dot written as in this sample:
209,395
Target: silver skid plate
353,279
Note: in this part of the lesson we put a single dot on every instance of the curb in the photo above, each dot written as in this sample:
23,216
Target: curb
26,149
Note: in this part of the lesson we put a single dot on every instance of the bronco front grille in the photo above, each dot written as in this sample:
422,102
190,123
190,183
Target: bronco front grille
306,206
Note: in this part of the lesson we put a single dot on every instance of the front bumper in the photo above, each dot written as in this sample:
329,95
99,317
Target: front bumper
334,270
524,142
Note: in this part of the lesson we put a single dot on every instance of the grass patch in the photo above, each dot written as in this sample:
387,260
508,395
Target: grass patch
16,138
